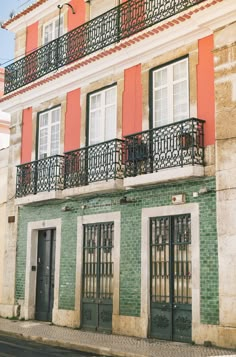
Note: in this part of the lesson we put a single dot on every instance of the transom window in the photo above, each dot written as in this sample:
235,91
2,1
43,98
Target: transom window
170,93
102,115
50,30
49,133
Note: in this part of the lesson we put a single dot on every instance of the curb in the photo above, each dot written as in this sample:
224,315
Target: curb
103,351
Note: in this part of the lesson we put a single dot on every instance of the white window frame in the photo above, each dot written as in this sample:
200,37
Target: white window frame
103,120
156,122
54,31
49,132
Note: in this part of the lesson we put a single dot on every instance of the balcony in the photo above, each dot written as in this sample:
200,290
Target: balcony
101,163
76,172
170,152
151,153
45,175
117,24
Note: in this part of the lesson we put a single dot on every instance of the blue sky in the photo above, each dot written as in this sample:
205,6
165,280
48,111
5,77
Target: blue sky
6,37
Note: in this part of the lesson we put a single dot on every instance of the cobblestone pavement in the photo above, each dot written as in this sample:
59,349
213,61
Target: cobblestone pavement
106,345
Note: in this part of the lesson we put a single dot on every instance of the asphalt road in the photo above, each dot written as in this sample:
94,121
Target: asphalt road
13,347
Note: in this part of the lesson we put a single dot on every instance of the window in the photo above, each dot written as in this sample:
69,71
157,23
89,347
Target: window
102,115
49,133
50,30
170,101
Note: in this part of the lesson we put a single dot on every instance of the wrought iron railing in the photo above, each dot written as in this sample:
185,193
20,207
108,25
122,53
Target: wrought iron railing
99,162
120,22
40,176
172,145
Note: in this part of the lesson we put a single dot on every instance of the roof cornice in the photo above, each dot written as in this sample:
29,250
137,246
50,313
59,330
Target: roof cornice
30,15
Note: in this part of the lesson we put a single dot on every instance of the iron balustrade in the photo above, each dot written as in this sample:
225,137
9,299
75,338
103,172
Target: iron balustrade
40,176
114,25
172,145
99,162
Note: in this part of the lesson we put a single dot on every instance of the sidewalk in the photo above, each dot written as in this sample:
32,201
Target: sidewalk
106,345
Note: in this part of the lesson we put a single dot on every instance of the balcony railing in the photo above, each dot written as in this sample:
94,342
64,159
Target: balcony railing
173,145
40,176
120,22
100,162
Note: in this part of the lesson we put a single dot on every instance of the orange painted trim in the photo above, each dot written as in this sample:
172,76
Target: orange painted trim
31,37
132,101
77,19
72,121
205,87
26,142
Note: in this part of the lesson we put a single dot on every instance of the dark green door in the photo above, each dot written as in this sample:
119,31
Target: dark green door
171,272
45,275
98,276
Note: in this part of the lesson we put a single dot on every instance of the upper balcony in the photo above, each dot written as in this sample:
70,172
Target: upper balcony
120,22
170,152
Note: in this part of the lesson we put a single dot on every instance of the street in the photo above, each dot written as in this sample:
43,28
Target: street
13,347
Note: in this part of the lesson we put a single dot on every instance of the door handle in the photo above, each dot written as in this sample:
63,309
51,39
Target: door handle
175,306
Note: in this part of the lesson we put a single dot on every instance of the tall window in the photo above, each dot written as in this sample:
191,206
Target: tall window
49,133
50,30
170,93
102,115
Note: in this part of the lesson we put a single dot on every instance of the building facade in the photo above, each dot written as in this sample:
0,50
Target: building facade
118,167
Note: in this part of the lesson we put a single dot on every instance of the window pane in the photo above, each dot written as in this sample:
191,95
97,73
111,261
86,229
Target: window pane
180,101
56,116
55,139
180,70
160,107
95,101
110,123
110,96
95,128
48,33
43,120
160,78
43,143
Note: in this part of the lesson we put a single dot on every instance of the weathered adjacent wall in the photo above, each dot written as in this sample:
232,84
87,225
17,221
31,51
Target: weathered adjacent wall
225,93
